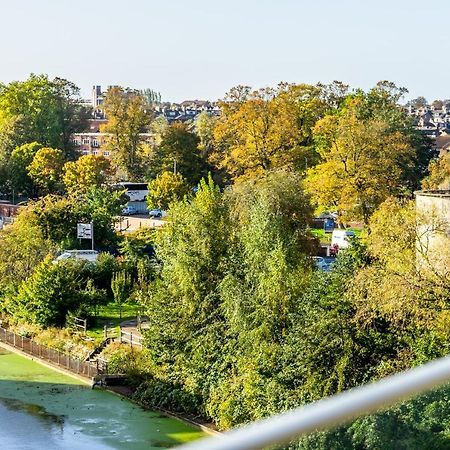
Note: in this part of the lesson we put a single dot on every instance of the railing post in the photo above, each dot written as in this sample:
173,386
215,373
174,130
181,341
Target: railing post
131,338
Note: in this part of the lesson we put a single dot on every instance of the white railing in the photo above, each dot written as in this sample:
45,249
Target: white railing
331,411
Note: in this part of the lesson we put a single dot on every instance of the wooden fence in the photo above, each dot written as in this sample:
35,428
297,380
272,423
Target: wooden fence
130,338
86,369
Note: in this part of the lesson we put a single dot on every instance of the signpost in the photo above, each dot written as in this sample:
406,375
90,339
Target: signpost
86,231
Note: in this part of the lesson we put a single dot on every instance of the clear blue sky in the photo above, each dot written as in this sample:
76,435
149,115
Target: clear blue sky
189,49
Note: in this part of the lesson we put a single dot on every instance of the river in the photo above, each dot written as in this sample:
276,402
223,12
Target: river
42,409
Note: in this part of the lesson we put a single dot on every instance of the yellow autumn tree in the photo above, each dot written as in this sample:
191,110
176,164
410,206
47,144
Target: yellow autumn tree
86,172
260,131
362,163
439,176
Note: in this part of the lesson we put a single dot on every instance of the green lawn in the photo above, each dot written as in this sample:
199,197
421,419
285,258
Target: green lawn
109,315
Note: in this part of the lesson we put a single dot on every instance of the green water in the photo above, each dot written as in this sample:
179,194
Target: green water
41,409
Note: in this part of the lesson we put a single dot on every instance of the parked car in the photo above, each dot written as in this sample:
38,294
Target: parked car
320,263
129,210
155,213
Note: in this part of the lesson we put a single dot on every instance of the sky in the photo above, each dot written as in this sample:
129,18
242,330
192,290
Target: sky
199,49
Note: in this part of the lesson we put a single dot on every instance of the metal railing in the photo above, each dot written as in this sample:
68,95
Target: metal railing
86,369
331,411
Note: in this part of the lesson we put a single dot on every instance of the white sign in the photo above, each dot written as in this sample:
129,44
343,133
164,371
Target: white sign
84,230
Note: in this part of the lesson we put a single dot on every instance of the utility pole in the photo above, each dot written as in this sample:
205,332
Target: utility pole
174,166
92,234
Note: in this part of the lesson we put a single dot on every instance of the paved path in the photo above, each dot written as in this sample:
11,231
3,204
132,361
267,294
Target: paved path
130,326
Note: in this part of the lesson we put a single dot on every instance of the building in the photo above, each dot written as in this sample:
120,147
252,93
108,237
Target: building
93,140
136,193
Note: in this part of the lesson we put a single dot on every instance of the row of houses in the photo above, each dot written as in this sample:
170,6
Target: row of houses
92,141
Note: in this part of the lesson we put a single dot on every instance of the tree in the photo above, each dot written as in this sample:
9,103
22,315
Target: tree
362,163
87,172
152,97
179,149
439,173
57,216
204,129
48,294
267,129
381,103
121,287
47,111
20,159
128,117
184,300
22,247
165,189
46,169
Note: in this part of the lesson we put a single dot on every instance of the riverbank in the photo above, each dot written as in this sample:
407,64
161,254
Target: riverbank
124,392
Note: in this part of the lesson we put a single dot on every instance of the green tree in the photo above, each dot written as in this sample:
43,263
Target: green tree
21,158
57,216
128,117
48,294
46,111
165,189
46,169
121,288
204,129
179,148
184,300
22,247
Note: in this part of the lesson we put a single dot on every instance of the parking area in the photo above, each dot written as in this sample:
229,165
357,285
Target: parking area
128,224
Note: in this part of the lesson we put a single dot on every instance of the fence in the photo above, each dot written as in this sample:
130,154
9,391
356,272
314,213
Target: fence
331,411
84,368
80,324
130,338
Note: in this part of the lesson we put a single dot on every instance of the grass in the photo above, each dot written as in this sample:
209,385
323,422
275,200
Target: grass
109,315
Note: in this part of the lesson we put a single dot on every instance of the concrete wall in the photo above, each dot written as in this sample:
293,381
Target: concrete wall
433,229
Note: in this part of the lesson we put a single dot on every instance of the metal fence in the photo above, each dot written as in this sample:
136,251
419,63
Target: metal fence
86,369
331,411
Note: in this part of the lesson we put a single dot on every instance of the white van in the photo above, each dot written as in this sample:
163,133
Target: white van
341,238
